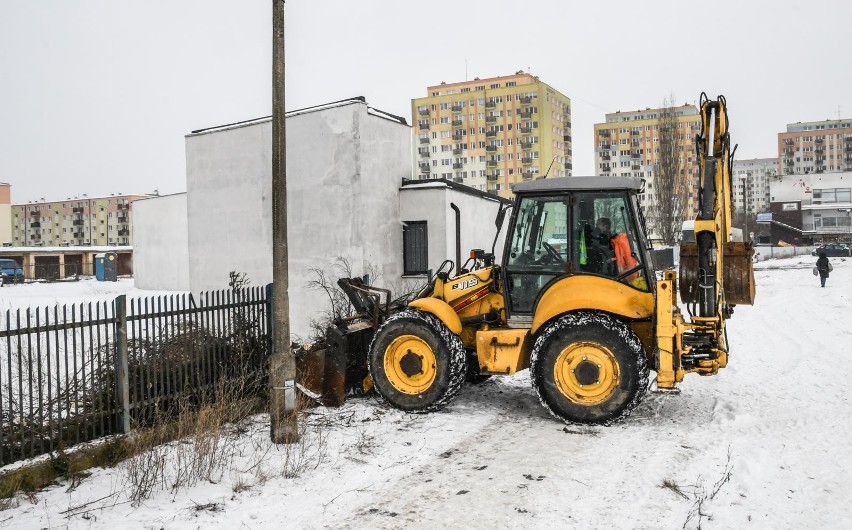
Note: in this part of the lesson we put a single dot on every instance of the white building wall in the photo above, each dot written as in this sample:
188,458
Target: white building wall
161,248
344,168
432,203
229,205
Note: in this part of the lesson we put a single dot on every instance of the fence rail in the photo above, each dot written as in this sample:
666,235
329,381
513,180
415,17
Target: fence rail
75,373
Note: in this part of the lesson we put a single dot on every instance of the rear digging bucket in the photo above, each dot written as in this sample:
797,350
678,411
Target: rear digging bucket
738,277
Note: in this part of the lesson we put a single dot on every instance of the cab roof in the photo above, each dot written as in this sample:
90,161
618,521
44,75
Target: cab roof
549,185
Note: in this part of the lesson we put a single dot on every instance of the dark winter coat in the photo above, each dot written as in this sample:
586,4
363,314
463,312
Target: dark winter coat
823,266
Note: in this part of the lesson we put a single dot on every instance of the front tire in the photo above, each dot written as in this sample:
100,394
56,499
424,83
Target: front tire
416,363
589,367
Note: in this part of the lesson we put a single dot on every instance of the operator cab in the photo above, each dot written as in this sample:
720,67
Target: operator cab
573,226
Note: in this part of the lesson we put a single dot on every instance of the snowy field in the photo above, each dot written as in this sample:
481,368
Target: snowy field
13,296
765,444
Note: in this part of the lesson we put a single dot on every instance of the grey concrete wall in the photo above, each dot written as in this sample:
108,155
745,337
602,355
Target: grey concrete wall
432,203
344,167
161,248
229,205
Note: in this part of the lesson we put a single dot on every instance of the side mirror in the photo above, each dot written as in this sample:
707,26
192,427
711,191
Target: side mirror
501,215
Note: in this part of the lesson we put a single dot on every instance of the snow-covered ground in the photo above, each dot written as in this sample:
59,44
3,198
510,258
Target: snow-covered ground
765,444
43,294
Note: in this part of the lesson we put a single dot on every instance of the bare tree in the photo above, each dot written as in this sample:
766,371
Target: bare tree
670,184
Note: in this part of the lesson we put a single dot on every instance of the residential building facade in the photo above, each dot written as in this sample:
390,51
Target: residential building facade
627,144
78,221
5,214
491,133
750,186
815,147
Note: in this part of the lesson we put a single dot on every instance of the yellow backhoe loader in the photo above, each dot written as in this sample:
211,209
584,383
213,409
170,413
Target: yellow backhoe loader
575,299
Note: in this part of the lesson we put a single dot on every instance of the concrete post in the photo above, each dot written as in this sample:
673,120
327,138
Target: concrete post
284,427
122,387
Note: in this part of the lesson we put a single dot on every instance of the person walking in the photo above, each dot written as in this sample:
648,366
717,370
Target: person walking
823,267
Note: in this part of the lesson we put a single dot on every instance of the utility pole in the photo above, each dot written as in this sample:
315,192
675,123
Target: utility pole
284,426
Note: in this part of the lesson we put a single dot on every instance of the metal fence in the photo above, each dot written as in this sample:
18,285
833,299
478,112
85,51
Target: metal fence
75,373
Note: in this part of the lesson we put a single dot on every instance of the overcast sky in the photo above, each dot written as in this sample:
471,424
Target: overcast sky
96,96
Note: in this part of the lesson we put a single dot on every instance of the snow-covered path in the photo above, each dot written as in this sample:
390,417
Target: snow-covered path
495,459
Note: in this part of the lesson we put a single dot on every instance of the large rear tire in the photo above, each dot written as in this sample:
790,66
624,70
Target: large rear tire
589,367
416,363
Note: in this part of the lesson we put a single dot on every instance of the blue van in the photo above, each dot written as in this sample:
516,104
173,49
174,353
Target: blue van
10,271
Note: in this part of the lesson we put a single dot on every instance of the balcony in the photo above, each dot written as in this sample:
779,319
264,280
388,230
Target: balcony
423,126
423,112
568,165
525,114
491,175
457,123
819,141
78,235
124,232
124,206
458,165
78,209
605,168
528,175
525,130
788,141
424,140
526,100
77,222
490,148
457,137
526,161
458,151
566,138
423,152
458,180
490,134
425,168
567,124
35,224
634,132
635,155
34,213
491,119
456,108
635,167
526,145
789,163
122,218
36,237
606,157
490,104
605,147
604,133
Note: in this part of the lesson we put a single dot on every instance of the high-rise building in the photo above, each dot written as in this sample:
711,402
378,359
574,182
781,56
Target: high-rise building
815,147
81,221
750,186
5,214
627,144
490,133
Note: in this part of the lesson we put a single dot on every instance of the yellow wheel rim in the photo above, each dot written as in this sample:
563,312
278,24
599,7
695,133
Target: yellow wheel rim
586,373
410,364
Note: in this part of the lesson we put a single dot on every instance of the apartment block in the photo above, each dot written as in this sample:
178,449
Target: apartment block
751,179
78,221
5,214
628,144
491,133
815,147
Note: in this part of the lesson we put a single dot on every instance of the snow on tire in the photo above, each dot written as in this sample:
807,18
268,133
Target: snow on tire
589,367
416,363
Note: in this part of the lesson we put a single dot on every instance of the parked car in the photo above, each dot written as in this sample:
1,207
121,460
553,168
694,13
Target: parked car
10,271
832,250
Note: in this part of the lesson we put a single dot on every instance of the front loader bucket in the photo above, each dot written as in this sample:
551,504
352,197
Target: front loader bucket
738,276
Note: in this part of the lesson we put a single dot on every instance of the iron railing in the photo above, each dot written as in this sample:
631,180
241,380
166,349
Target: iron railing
75,373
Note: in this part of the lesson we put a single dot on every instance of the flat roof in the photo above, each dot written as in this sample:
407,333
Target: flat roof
316,108
578,183
65,250
444,183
